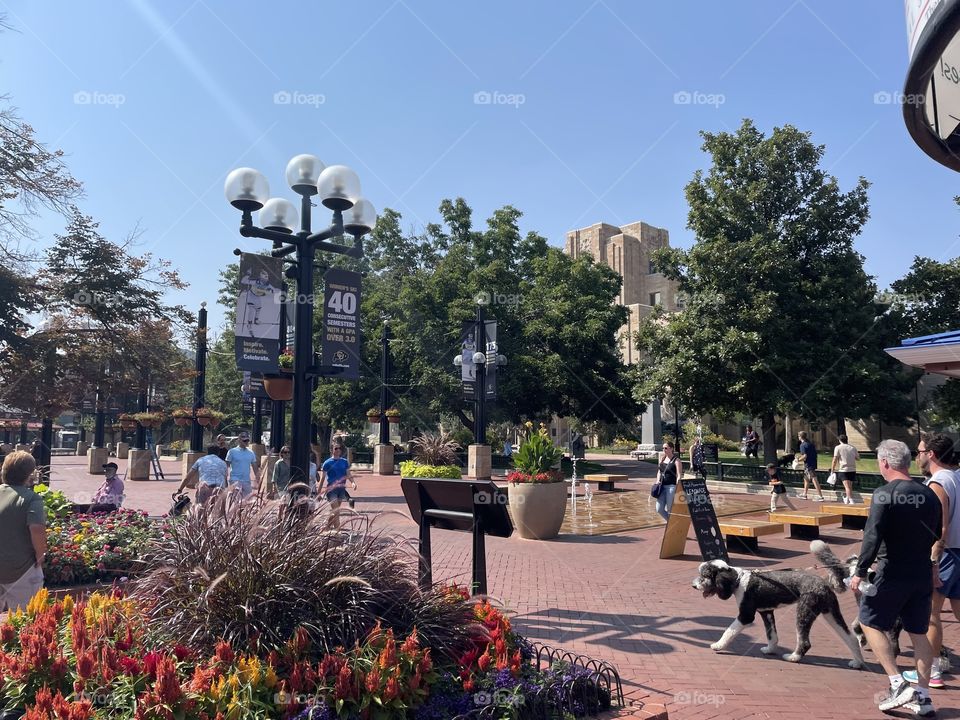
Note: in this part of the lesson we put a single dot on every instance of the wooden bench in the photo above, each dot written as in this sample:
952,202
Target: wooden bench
853,517
743,532
804,525
604,481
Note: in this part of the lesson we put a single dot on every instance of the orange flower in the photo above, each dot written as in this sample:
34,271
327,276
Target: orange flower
373,680
224,652
411,644
483,662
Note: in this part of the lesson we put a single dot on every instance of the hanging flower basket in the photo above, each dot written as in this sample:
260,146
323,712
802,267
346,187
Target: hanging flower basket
149,419
182,416
128,422
181,421
393,415
373,416
278,387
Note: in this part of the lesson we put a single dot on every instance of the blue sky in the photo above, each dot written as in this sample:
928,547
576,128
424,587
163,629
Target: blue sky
573,112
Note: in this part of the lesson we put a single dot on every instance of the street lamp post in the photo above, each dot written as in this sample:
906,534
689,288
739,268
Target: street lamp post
338,188
277,408
385,396
200,380
479,459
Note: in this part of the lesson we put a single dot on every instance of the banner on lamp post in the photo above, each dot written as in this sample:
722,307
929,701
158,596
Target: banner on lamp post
341,322
259,299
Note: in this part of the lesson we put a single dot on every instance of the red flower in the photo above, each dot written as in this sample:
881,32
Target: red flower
7,633
468,685
411,644
182,652
150,663
373,680
167,687
483,662
388,657
129,666
85,664
343,688
224,653
392,689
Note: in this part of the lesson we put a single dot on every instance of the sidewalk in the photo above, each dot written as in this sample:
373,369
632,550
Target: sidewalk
611,597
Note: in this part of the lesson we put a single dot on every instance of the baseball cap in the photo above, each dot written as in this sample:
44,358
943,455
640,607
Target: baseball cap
111,464
243,435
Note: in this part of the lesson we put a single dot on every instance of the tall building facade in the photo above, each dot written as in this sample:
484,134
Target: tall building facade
628,251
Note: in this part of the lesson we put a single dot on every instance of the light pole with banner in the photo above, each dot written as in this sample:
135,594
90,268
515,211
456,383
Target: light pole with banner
338,188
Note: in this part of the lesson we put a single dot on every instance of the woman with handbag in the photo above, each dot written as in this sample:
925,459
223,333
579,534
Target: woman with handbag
669,470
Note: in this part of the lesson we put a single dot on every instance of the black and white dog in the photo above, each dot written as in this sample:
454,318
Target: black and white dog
764,591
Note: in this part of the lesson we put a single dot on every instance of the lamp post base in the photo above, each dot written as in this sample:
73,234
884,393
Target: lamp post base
259,449
138,465
478,462
82,448
96,458
383,460
123,450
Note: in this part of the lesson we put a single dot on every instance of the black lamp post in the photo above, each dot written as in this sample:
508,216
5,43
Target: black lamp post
277,408
338,188
480,360
385,395
200,381
99,419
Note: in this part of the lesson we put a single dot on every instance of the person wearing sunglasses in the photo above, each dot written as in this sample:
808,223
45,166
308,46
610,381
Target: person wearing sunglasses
281,473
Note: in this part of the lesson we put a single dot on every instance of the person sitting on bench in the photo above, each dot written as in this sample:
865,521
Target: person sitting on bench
108,497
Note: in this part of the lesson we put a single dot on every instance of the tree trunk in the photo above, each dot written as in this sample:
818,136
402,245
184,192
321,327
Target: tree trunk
841,426
769,422
787,434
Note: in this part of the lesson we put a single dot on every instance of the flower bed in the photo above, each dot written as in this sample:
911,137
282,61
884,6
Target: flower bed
77,660
84,549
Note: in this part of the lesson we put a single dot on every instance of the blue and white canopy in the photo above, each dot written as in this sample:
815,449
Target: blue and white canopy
938,354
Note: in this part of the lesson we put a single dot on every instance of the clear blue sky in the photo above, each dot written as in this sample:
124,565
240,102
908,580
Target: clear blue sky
180,92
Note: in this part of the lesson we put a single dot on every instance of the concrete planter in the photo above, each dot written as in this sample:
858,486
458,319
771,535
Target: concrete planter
538,509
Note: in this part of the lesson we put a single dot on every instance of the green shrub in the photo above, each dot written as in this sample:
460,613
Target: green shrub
709,438
432,448
537,454
54,502
413,469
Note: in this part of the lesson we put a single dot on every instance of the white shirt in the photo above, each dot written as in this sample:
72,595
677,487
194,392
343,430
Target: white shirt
848,457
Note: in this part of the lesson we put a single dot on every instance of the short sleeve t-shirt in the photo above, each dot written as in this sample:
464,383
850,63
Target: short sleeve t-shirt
847,455
212,470
336,470
809,452
20,507
240,461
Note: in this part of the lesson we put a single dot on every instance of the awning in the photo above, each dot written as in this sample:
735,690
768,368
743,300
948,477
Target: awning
938,354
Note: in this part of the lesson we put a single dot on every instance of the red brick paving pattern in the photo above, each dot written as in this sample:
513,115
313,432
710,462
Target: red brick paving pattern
611,597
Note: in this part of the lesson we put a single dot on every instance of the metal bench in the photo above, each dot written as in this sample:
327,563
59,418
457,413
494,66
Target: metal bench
853,517
742,533
804,525
644,451
605,481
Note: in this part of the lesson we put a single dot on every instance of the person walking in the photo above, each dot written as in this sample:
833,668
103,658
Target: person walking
669,470
697,461
209,473
844,464
751,442
243,465
281,473
334,474
808,451
23,532
937,458
222,447
778,490
904,523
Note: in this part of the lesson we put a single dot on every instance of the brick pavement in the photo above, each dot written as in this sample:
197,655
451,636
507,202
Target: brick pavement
611,597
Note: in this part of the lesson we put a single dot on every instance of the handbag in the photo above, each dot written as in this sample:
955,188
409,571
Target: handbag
797,464
832,479
656,489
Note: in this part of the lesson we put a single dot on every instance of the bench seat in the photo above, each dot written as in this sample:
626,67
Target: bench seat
853,517
804,525
604,481
743,532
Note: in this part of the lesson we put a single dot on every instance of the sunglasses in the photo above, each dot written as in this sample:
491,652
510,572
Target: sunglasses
285,452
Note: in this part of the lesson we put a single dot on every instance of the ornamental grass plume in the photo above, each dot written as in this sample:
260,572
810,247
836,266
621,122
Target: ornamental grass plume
260,574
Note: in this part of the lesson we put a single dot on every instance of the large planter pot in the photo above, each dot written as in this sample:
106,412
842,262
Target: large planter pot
181,421
537,509
204,420
393,418
278,387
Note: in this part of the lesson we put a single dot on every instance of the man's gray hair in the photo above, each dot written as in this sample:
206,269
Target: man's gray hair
896,453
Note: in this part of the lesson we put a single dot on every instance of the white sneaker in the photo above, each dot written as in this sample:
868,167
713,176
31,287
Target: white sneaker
819,498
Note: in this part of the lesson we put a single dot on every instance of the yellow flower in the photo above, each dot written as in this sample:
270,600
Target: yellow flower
234,682
38,603
249,670
270,678
68,604
528,424
217,687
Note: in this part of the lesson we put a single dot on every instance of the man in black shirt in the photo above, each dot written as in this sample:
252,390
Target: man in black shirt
904,523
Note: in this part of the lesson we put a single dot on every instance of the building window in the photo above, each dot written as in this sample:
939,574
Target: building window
653,268
655,298
679,301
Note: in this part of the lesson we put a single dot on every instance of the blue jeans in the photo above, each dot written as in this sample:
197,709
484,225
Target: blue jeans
665,501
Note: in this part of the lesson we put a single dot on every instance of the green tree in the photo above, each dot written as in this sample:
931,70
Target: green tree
780,315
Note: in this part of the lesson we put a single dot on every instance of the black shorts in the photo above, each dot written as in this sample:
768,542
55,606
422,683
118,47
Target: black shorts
906,599
846,476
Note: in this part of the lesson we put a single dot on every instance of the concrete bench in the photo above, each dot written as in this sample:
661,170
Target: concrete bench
604,481
644,451
804,525
743,532
853,517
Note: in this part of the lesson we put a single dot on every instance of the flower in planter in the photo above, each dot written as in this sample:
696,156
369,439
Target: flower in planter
285,360
534,460
392,413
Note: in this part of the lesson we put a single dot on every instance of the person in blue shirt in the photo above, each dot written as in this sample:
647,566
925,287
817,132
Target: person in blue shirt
808,452
334,474
243,465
